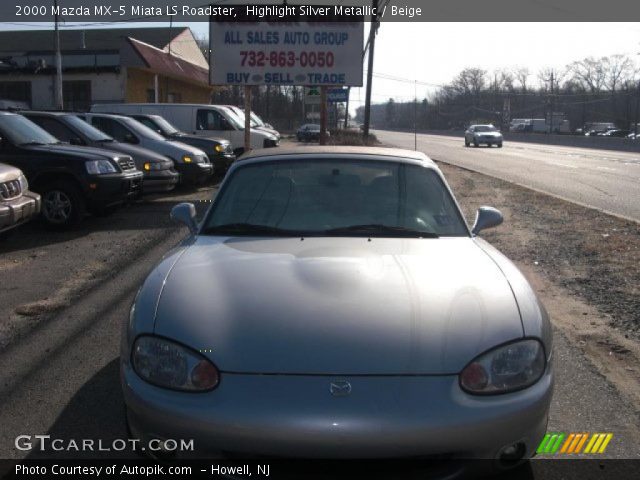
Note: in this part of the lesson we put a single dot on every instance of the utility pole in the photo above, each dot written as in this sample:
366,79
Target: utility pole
57,92
551,106
415,115
635,126
372,43
323,115
346,112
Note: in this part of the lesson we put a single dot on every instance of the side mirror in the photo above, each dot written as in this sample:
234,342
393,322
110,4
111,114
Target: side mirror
185,213
486,217
76,141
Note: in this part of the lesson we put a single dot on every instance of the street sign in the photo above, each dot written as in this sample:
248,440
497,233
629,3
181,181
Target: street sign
337,95
286,53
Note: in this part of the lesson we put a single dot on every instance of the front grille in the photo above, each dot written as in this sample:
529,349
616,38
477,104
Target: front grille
126,164
10,189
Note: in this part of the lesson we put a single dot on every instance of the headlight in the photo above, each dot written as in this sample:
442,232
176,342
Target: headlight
149,166
219,148
164,363
24,185
187,159
98,167
505,369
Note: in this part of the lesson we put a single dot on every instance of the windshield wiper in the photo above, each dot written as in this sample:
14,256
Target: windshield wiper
380,229
249,228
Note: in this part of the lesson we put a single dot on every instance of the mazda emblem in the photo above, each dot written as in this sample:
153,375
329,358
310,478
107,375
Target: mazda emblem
340,388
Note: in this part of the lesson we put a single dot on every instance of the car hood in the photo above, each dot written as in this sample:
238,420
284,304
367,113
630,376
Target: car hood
8,173
177,149
337,306
85,153
139,154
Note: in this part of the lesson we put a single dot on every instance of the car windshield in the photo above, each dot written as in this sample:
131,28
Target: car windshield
485,128
142,130
20,131
89,131
311,126
164,125
335,196
238,115
256,119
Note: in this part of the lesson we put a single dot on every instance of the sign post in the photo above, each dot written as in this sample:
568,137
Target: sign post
247,118
323,115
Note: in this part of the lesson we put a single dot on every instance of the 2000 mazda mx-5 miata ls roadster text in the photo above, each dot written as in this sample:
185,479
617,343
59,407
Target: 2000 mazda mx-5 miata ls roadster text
334,303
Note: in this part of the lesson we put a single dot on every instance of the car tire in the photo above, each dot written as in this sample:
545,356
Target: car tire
476,144
63,205
499,145
466,144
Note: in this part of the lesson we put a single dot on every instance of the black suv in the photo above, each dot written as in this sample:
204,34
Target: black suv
71,180
219,150
159,172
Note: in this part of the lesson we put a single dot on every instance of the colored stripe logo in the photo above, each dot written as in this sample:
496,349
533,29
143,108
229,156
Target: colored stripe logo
572,443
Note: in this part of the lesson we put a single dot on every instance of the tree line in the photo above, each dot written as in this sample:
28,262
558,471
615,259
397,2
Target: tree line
602,89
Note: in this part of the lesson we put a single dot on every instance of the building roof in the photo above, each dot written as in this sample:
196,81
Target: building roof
161,62
94,39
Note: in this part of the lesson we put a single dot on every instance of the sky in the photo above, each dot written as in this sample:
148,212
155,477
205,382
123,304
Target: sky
434,53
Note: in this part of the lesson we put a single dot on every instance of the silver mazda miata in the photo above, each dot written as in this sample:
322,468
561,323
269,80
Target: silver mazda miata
334,303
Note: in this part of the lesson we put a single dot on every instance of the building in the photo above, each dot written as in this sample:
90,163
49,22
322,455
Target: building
112,65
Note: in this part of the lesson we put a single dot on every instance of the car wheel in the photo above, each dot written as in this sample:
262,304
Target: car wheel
500,145
62,204
476,144
466,144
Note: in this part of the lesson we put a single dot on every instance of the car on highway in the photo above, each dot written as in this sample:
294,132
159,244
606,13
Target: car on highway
482,135
219,150
192,163
309,132
615,132
158,170
71,180
17,204
333,302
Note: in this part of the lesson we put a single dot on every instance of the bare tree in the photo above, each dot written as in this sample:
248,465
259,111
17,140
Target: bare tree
522,75
617,69
589,73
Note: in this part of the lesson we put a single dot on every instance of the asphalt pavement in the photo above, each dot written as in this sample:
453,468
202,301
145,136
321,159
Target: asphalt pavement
605,179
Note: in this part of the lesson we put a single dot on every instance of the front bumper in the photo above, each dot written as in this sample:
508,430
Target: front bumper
19,210
113,189
488,140
222,161
383,417
160,180
194,172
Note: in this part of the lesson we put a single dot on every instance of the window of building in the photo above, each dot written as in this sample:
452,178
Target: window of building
77,95
16,91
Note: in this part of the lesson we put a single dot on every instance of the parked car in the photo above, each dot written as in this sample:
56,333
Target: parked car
342,287
255,120
309,132
616,132
192,163
482,134
632,136
17,204
197,119
158,170
219,150
72,180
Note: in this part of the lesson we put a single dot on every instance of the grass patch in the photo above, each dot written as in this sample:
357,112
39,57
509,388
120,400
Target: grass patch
352,137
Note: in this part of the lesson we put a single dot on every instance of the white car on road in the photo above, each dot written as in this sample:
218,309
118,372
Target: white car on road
482,134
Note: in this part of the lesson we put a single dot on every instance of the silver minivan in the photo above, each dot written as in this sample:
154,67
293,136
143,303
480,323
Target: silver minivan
192,163
197,119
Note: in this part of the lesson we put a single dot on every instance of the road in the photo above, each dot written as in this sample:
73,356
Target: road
604,179
62,378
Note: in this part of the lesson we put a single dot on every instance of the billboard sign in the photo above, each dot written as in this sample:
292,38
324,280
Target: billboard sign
337,95
286,53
